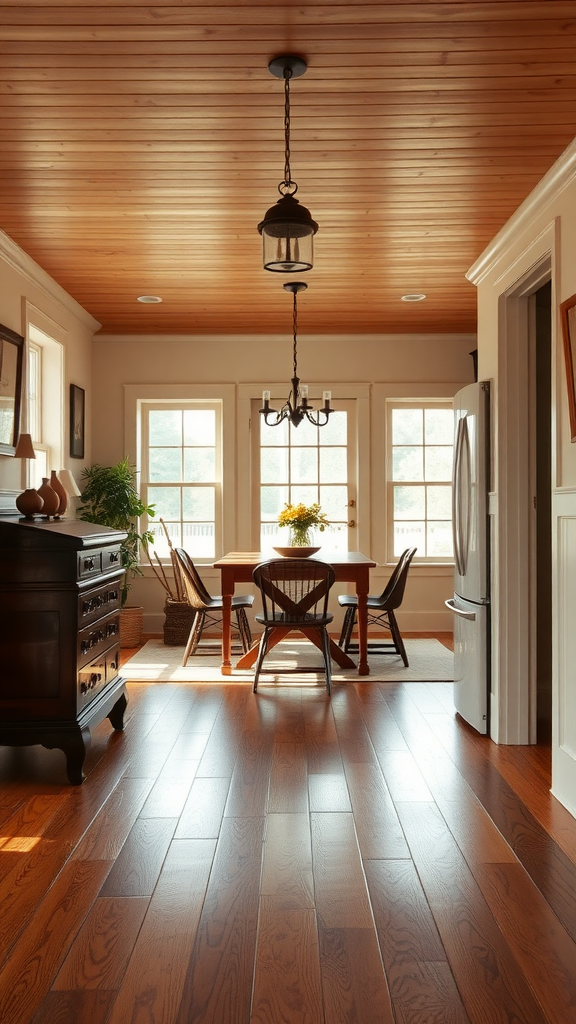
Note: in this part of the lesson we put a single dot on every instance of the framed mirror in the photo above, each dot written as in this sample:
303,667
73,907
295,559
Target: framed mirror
568,319
11,358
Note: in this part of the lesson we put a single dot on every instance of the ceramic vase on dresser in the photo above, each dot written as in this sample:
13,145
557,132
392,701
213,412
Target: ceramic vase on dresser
50,498
56,485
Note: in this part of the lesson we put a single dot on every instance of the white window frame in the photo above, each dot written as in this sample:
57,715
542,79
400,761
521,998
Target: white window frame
147,406
45,338
408,403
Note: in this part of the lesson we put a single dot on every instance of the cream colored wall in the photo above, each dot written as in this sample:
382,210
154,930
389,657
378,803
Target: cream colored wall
28,294
391,366
539,237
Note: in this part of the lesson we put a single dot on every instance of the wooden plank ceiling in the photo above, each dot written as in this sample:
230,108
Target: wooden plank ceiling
141,146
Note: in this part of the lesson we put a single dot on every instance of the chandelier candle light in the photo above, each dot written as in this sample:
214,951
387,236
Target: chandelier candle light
296,407
287,229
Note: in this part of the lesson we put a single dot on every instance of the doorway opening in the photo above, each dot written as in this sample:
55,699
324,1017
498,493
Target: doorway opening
541,433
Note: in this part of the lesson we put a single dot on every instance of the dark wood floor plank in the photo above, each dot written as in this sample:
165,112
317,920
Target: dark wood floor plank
28,974
168,796
322,747
202,814
152,986
248,794
328,792
402,776
288,790
139,863
377,826
82,1007
353,980
287,880
23,829
287,984
425,993
492,986
406,928
100,952
218,983
339,882
109,829
541,946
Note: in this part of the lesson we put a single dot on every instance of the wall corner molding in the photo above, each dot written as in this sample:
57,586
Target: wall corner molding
33,272
560,175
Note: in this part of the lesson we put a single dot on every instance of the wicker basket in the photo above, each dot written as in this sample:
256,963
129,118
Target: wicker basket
131,626
178,623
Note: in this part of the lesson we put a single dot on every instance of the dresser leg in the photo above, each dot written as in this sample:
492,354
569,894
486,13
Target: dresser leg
116,716
75,746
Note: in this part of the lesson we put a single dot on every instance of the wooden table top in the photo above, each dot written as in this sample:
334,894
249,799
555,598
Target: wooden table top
253,558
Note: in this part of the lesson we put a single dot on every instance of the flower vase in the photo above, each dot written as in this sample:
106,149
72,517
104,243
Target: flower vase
300,537
56,485
50,498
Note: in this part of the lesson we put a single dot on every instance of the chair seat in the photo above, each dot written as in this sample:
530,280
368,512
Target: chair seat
240,601
351,601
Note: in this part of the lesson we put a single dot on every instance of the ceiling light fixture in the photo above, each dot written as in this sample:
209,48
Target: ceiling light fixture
296,408
413,297
287,229
148,299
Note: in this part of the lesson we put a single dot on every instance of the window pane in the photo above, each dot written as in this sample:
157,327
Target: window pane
199,464
407,426
161,547
306,495
409,535
304,465
439,539
304,433
439,502
198,503
274,465
199,427
438,462
333,501
165,464
333,465
273,435
272,501
408,463
198,540
439,426
335,431
409,503
270,535
165,426
166,501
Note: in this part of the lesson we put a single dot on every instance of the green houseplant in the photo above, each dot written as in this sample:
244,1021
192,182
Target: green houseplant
109,497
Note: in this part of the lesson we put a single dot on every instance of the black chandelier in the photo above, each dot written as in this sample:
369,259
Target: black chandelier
287,229
296,408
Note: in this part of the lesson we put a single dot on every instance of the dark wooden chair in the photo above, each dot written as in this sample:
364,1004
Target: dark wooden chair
380,612
294,597
208,609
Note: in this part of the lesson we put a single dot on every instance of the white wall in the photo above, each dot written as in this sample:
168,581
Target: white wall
29,295
382,366
537,241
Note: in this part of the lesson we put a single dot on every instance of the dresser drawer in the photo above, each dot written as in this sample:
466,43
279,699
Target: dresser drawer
97,674
97,638
95,603
89,564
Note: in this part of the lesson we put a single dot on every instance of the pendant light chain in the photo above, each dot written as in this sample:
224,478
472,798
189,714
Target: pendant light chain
287,183
295,332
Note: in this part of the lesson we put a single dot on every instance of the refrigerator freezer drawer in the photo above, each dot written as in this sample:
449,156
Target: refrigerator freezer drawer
470,661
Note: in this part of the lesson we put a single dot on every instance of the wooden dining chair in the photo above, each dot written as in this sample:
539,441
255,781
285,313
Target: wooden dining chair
380,612
208,609
294,594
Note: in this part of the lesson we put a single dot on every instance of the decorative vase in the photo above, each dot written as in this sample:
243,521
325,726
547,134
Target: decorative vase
30,503
49,497
300,537
56,485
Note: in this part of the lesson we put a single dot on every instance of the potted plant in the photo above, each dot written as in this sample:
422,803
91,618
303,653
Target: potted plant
109,497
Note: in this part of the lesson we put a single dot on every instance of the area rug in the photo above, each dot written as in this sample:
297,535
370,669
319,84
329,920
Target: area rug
429,661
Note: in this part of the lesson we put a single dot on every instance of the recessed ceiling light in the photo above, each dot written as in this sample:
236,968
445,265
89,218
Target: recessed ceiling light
413,297
149,298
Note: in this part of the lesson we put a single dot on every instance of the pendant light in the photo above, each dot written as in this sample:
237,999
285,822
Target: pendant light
296,407
287,229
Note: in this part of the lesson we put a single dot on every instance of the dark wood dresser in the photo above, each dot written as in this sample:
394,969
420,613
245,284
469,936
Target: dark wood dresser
59,634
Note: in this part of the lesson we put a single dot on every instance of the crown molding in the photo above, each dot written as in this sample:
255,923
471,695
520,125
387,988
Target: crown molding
560,175
33,272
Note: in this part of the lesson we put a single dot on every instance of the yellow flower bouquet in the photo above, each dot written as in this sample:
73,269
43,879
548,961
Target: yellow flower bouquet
301,518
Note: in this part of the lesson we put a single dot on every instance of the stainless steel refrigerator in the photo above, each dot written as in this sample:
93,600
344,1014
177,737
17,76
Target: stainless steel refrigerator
471,601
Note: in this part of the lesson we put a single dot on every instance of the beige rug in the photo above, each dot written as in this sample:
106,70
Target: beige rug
429,661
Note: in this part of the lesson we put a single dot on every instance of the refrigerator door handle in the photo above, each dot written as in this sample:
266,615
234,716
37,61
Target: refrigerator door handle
457,611
456,503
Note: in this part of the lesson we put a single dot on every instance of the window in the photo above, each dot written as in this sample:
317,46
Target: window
304,464
419,487
45,377
181,476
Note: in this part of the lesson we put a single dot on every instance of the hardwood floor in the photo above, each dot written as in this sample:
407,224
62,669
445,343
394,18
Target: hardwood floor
286,858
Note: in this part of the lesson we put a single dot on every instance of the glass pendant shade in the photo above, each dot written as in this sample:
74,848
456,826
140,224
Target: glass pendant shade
288,237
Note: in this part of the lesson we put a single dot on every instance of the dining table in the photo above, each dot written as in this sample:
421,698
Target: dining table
349,567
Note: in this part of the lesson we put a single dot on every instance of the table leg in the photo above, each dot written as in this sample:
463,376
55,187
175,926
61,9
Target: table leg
227,592
362,594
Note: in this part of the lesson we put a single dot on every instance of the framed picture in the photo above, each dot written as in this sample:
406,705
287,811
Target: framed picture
76,421
11,357
568,318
